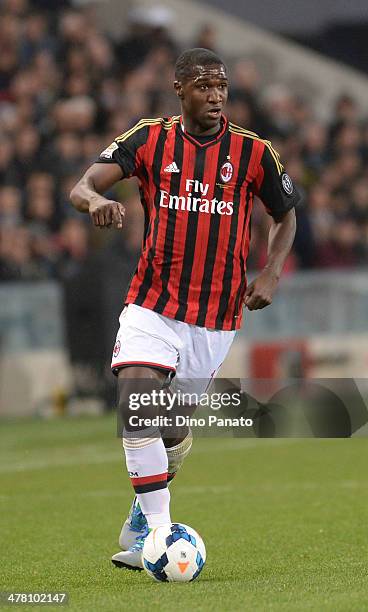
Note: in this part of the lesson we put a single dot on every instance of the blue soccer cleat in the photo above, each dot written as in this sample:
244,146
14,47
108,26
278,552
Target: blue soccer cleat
132,558
134,526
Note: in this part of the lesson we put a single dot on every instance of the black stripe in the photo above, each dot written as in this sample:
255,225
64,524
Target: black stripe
190,240
229,265
213,237
151,486
125,155
145,234
242,268
146,215
156,171
170,228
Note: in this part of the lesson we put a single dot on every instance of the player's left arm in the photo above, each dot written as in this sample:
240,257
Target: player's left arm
280,197
260,292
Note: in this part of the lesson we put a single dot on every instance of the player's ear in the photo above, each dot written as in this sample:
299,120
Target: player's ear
179,89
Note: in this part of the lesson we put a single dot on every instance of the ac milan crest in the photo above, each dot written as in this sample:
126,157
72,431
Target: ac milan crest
226,171
117,348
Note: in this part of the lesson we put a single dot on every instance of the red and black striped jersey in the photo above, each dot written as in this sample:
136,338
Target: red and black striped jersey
197,198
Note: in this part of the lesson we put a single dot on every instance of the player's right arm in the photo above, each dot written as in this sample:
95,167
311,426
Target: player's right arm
122,159
87,195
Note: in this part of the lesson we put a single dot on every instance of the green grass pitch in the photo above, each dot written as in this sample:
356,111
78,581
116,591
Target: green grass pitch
284,521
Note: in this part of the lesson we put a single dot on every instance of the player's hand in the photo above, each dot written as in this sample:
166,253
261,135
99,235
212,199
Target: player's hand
260,292
106,213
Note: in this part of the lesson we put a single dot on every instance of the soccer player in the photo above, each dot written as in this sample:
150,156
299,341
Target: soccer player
198,175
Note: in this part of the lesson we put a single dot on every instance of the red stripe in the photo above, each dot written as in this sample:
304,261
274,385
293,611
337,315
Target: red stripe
148,479
139,156
224,237
259,180
245,244
181,225
255,157
144,186
236,277
203,229
150,148
143,363
165,180
149,155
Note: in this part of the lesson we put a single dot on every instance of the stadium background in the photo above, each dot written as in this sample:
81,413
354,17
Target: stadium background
284,520
74,77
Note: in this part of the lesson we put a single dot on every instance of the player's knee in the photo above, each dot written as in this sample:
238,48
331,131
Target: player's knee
176,432
137,406
174,436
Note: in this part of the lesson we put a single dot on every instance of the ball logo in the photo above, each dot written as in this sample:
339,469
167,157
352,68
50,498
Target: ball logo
117,348
287,184
226,171
183,566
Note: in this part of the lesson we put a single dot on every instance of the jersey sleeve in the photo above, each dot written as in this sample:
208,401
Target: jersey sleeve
274,186
127,150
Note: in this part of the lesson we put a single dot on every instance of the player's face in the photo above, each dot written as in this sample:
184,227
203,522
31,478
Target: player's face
203,97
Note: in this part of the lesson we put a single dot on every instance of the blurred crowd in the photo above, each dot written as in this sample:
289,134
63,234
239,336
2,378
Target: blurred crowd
67,90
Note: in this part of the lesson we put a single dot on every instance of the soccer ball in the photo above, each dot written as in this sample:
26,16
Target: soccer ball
174,553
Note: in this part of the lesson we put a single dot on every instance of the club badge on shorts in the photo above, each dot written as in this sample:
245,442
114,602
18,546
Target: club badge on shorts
287,183
117,348
227,171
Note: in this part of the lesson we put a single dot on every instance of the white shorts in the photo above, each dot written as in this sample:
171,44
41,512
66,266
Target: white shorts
190,353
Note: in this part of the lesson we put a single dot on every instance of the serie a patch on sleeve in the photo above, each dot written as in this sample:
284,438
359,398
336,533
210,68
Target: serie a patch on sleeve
287,184
107,153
